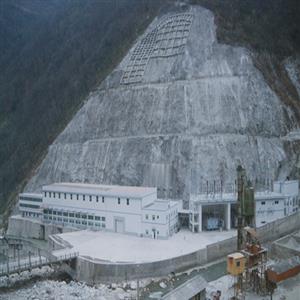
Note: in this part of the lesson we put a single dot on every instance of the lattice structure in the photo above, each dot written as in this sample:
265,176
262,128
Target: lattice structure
168,38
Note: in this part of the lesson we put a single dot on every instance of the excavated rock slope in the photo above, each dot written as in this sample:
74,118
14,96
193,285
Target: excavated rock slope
194,112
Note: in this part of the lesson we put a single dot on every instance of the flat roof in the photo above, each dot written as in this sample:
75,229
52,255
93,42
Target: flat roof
232,197
160,205
236,255
31,195
285,265
101,189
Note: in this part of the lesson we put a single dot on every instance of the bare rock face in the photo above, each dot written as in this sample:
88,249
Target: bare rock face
180,108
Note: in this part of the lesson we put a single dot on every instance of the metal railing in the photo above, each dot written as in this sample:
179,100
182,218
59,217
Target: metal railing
33,262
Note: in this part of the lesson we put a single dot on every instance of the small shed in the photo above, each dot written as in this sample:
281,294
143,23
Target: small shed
284,269
236,263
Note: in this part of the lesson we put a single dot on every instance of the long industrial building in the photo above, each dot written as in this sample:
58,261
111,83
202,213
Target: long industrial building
138,211
122,209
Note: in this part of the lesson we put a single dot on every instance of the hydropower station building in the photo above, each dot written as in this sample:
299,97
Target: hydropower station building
138,211
122,209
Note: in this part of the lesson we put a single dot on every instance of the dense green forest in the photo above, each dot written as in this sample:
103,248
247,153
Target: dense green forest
53,53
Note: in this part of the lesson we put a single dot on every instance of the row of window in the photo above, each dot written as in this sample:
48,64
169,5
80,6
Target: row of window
76,196
264,202
74,221
29,205
30,214
153,217
73,215
24,198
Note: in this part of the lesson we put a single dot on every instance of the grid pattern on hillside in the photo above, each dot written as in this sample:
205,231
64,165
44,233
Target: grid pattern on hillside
168,38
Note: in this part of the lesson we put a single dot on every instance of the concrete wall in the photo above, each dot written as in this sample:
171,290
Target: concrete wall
31,228
94,271
25,228
279,228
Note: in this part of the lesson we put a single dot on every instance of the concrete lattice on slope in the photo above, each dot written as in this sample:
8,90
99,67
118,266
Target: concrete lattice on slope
168,38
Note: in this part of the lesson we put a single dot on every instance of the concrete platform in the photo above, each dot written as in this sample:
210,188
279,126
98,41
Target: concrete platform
120,248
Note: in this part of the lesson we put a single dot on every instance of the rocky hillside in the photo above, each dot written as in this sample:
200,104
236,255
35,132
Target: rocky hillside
224,91
180,108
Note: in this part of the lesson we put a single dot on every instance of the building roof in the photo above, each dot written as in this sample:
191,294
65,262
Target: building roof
232,197
31,195
162,205
187,290
100,189
285,265
236,255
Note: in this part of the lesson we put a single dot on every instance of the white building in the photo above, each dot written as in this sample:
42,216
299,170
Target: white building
123,209
30,205
212,211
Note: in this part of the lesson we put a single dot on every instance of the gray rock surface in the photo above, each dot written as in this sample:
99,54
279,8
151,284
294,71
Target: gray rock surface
193,117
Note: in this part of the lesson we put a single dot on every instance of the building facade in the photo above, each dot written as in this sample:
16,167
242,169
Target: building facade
216,210
122,209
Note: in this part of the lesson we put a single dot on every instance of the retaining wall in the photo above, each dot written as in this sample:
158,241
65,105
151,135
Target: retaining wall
95,271
30,228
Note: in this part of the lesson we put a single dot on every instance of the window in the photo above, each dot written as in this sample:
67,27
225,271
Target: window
119,201
91,217
90,198
71,221
54,212
83,222
103,219
238,263
97,218
65,195
83,216
263,222
97,198
103,225
147,217
153,217
157,232
65,214
45,194
54,195
83,197
71,196
90,223
102,199
157,217
77,215
263,203
65,220
276,202
127,201
147,232
77,196
59,213
58,195
71,215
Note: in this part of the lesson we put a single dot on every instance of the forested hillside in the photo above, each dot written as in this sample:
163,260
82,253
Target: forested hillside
52,54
